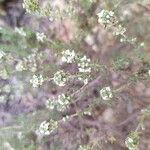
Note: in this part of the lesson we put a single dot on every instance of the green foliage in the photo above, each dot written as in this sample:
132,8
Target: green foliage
122,62
21,134
13,42
85,4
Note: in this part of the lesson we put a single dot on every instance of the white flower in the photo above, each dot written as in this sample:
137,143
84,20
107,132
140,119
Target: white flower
63,99
20,66
84,64
149,72
33,67
122,40
65,118
81,147
87,113
106,93
60,103
2,54
84,70
37,80
60,78
142,44
2,98
51,103
44,128
47,127
134,39
51,19
4,74
20,31
84,80
40,37
119,30
132,141
7,88
68,56
105,17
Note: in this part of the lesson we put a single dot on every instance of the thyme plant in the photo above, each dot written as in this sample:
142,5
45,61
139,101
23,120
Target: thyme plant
88,72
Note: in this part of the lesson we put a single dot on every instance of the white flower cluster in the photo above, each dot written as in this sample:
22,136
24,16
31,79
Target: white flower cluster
132,142
31,5
105,17
106,93
51,103
47,127
87,113
129,40
20,66
40,37
145,111
60,78
29,62
60,103
84,64
36,80
81,147
6,88
4,74
119,30
20,31
68,56
2,98
44,128
2,54
85,80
